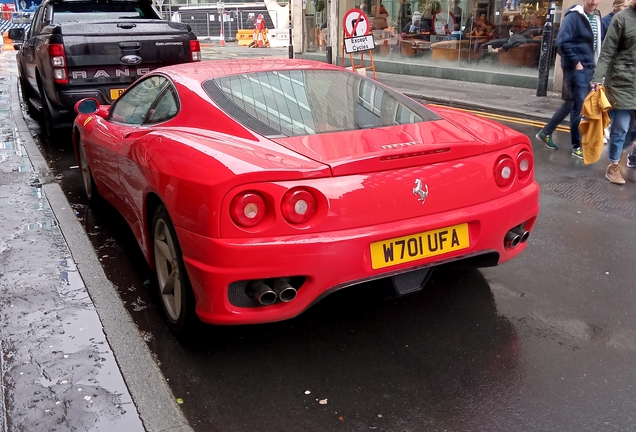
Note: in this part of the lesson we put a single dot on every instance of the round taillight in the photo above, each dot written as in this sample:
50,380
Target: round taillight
248,209
504,171
298,206
524,164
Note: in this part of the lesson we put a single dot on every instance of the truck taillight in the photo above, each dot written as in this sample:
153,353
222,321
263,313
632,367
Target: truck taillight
58,61
195,50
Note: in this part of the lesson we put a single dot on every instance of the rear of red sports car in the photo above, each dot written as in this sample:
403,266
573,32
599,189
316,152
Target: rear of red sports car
265,185
404,188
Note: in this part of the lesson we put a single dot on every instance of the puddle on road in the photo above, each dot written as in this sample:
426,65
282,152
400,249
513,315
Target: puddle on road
74,290
13,147
47,225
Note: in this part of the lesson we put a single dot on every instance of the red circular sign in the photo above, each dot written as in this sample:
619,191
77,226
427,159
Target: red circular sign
356,23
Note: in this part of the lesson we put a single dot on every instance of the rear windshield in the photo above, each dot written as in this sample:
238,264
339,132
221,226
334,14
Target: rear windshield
80,11
308,102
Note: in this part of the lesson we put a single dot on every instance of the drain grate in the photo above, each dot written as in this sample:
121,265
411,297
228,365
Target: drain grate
597,193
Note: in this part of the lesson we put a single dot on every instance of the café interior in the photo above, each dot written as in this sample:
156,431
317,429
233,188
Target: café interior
490,35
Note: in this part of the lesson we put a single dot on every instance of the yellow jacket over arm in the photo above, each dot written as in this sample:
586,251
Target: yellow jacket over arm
595,120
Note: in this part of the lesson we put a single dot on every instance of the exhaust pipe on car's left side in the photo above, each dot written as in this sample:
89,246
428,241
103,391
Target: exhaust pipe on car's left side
262,293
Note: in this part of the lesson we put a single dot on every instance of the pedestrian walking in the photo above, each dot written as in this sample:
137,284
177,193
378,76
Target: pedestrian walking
617,6
579,44
617,72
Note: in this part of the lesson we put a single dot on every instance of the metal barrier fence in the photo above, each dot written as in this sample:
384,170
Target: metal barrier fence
207,24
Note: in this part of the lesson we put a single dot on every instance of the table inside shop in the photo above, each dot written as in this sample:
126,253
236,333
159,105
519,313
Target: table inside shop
411,45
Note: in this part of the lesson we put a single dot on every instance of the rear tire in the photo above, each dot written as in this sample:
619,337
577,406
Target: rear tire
173,283
48,118
27,94
49,114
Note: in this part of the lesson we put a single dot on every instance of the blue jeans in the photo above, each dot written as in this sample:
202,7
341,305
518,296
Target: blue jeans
618,131
631,133
579,85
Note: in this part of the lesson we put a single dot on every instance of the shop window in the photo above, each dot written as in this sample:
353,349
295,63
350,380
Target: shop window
498,35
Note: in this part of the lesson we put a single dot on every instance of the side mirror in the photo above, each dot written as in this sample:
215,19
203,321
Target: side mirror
16,34
87,106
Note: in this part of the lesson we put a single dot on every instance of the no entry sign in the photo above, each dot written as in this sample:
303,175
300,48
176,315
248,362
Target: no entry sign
358,38
355,23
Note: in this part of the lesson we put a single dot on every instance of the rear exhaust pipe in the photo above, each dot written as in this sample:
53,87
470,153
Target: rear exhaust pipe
263,293
522,233
284,290
512,239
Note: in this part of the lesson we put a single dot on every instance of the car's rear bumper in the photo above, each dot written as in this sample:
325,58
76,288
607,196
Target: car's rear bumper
333,260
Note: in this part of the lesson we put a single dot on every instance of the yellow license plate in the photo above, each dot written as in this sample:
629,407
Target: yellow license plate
115,93
400,250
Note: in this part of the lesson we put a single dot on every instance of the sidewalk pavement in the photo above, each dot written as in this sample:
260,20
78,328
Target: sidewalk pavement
71,357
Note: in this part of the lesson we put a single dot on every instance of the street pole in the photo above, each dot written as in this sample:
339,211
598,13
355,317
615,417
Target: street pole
546,52
229,24
219,6
291,46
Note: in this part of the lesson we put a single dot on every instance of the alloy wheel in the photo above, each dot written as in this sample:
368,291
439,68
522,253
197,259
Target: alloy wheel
167,269
86,172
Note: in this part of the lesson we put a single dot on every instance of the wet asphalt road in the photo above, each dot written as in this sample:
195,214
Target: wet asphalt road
545,342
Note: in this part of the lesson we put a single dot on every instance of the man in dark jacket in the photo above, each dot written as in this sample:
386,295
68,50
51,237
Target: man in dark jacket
579,44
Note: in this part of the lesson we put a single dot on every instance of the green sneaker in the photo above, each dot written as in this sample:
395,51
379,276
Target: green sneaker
547,140
577,152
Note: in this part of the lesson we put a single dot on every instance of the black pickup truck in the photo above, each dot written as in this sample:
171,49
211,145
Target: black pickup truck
93,48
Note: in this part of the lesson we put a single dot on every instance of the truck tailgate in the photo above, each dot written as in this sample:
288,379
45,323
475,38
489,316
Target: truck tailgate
115,52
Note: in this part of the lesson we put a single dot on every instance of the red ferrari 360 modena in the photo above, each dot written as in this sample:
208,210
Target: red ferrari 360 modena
254,188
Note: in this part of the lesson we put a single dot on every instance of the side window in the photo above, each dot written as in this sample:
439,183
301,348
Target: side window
165,108
37,23
133,106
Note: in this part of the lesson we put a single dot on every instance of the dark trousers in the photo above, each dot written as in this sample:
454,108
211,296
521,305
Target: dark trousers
577,84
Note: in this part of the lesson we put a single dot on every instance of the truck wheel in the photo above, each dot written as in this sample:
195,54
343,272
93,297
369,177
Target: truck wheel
27,94
47,117
174,286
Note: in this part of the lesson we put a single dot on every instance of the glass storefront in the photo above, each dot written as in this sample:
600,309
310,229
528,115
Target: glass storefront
315,25
493,35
